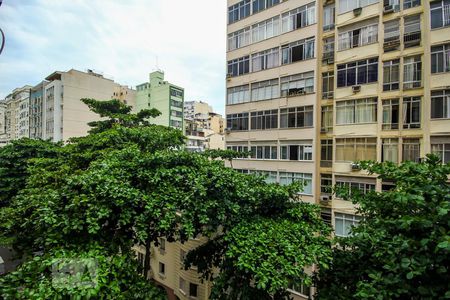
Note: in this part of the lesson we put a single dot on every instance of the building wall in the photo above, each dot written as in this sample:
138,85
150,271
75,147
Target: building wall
175,279
334,164
160,94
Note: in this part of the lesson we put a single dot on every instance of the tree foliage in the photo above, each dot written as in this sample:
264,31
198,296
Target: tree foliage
129,182
401,249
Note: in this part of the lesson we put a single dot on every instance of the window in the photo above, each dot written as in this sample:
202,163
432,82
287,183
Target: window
175,123
440,13
349,5
328,50
298,18
162,268
326,153
411,112
238,148
392,4
358,37
301,150
239,39
327,85
346,186
237,121
326,184
306,179
356,111
176,113
270,176
176,93
391,75
410,3
141,259
176,103
412,72
356,149
265,90
182,256
344,224
440,58
267,119
441,147
440,104
296,117
297,51
411,150
328,17
300,288
162,244
266,29
390,150
391,110
412,34
361,72
298,84
326,122
182,285
259,5
264,152
392,30
266,59
239,66
238,94
193,290
238,11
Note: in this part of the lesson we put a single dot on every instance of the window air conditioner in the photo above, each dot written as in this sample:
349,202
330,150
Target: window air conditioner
356,167
357,11
356,88
325,199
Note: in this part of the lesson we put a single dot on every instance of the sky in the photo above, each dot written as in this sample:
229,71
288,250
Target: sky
123,39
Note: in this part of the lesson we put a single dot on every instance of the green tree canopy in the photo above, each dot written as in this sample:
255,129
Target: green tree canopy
129,182
401,248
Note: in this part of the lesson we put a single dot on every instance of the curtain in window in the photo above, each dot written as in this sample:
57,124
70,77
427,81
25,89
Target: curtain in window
344,40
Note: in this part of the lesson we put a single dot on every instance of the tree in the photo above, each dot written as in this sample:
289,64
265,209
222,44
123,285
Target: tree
78,274
129,182
400,250
14,162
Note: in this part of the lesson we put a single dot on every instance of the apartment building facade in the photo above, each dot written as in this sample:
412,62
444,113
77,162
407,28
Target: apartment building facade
53,110
204,128
315,86
165,97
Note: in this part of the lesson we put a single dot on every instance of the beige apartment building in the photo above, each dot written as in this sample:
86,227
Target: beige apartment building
315,86
53,110
204,128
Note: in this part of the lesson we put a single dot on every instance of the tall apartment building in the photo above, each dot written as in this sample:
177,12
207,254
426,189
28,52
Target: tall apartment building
315,86
53,110
165,97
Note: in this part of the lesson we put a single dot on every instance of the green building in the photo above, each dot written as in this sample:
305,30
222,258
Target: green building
165,97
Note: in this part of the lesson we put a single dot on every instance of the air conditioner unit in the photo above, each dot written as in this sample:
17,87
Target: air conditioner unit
227,130
330,61
325,199
356,167
357,11
323,130
330,95
388,9
229,75
356,88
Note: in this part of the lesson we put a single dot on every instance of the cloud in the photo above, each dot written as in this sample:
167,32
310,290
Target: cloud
123,39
